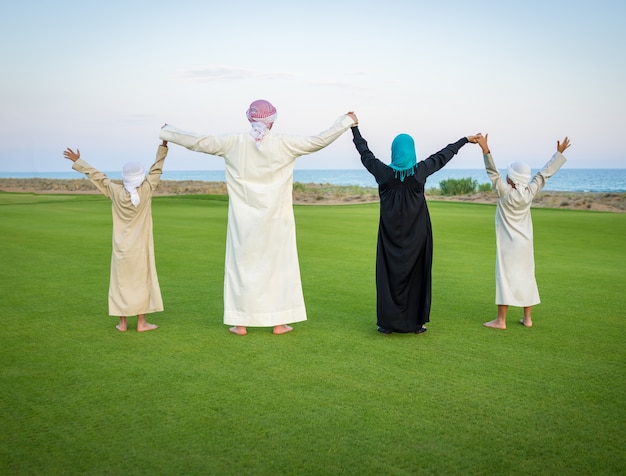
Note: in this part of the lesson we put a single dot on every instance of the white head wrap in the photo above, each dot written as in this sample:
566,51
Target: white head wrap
519,173
133,175
261,115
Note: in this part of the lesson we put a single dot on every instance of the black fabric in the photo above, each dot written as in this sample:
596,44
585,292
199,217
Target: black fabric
404,253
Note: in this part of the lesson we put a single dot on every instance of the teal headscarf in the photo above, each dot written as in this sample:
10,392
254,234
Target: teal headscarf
403,156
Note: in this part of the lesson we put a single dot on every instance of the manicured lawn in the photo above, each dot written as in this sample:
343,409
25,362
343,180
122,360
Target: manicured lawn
334,396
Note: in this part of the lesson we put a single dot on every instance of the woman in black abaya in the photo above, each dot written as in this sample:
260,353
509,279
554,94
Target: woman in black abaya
404,251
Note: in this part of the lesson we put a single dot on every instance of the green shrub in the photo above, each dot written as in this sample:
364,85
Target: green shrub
458,186
484,187
299,187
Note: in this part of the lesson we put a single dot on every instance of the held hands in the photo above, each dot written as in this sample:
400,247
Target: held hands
482,142
70,154
474,139
561,146
354,118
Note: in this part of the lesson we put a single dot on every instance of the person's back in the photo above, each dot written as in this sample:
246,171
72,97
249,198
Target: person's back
134,286
404,248
262,285
515,261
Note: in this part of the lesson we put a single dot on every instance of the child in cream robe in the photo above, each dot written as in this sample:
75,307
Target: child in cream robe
515,262
134,285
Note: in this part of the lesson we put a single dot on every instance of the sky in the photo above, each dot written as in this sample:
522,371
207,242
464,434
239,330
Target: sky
104,77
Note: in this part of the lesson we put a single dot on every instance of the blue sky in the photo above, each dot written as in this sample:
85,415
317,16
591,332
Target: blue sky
104,77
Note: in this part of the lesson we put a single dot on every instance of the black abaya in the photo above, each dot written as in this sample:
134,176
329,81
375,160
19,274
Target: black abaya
404,252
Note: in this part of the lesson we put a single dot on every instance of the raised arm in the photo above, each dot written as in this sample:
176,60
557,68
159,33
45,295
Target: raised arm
154,174
554,164
99,179
438,160
209,144
305,145
493,173
378,169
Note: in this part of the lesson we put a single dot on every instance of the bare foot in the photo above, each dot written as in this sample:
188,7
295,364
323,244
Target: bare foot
239,330
495,324
526,324
123,325
146,327
282,329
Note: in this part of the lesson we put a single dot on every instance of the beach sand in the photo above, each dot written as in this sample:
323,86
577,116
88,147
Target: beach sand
326,194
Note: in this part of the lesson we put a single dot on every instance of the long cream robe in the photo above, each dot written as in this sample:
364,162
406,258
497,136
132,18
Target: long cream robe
515,260
262,284
134,285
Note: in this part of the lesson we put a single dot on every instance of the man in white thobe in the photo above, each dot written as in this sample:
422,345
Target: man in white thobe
262,286
515,261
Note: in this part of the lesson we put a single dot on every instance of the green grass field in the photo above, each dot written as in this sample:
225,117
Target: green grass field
333,397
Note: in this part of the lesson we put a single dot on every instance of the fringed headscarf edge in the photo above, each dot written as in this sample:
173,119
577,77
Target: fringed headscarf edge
403,173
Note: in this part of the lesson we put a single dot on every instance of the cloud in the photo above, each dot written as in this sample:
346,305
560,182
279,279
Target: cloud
219,73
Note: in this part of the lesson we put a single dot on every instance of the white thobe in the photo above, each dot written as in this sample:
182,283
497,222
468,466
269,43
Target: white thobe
516,284
262,285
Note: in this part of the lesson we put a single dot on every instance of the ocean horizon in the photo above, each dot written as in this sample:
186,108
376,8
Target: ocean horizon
565,180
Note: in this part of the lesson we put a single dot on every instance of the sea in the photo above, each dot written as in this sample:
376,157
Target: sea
566,180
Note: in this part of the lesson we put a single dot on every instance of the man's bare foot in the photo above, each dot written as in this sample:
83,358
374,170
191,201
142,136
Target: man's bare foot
146,327
525,323
239,330
495,324
282,329
123,325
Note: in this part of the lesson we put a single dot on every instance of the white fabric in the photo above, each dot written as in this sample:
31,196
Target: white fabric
519,173
262,285
261,123
133,175
260,130
515,261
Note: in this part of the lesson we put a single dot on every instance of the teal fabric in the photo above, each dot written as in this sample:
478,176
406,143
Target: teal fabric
403,157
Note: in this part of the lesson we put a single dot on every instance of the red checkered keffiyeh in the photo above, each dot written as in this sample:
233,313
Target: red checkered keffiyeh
261,115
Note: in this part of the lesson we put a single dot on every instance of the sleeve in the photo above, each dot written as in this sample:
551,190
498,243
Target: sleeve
154,174
208,144
369,160
298,146
99,179
539,180
441,158
494,175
